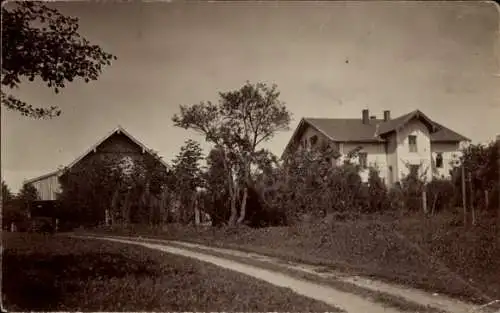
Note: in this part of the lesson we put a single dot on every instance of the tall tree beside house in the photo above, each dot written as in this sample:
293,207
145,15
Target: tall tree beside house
186,169
39,42
156,184
306,183
238,124
13,210
216,199
481,161
7,195
27,194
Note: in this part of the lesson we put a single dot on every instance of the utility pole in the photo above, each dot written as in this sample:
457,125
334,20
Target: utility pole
464,202
498,185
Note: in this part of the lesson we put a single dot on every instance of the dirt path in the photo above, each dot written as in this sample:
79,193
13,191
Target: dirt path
342,300
441,302
415,295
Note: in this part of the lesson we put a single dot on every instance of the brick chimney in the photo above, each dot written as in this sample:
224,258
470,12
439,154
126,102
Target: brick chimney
365,116
387,115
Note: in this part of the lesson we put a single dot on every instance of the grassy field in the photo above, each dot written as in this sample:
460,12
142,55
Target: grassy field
49,273
433,254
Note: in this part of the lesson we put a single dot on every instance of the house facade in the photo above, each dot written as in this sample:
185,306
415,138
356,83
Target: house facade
411,142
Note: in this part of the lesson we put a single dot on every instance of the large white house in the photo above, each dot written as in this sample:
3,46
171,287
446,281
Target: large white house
395,146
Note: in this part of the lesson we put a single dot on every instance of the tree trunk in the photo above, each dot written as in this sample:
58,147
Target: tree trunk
486,200
433,212
234,211
243,206
464,202
231,189
471,191
196,210
424,201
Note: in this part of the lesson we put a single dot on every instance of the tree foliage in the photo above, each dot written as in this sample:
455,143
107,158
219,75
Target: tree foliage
39,42
7,195
216,198
13,208
481,162
100,184
242,120
186,169
28,193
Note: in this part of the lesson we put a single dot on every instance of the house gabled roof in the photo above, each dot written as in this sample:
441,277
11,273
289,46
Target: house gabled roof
353,129
118,130
394,124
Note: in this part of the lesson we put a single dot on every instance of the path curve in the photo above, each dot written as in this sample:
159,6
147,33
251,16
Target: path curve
441,302
345,301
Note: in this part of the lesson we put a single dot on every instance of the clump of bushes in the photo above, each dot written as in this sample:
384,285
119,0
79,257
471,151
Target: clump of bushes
441,195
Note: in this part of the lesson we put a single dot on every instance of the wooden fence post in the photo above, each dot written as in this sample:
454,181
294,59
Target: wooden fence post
471,200
486,200
498,186
464,202
424,201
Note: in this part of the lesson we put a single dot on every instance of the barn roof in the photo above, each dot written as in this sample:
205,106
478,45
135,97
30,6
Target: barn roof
118,130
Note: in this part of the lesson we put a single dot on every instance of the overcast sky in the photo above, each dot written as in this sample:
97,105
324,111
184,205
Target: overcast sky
328,60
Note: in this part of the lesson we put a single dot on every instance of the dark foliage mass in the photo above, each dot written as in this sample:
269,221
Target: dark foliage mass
39,42
103,183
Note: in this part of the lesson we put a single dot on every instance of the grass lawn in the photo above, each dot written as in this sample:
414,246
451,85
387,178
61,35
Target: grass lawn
49,273
433,254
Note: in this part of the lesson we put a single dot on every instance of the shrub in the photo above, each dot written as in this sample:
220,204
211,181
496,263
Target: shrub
377,192
440,195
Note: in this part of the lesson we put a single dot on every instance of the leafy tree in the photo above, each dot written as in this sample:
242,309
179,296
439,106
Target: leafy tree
377,191
28,193
12,211
241,121
39,42
308,182
481,162
6,193
153,182
187,172
216,199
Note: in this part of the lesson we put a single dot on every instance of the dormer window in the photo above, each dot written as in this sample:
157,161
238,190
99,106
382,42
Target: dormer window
412,142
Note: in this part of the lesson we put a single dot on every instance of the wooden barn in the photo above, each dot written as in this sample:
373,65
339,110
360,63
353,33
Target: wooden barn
118,142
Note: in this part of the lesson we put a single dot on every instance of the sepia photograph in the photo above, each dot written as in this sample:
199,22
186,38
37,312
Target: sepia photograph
250,156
